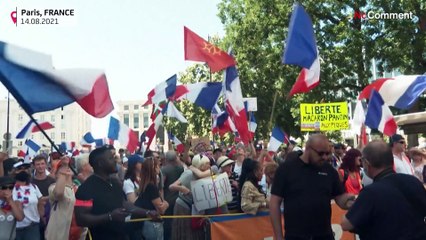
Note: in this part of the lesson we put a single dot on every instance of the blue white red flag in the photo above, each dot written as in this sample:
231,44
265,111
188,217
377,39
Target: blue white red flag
301,50
400,92
165,90
379,115
252,124
31,127
278,137
153,128
67,146
38,86
203,94
235,103
170,110
29,149
87,140
178,144
121,132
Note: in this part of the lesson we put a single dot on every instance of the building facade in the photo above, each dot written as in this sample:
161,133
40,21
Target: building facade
137,117
71,123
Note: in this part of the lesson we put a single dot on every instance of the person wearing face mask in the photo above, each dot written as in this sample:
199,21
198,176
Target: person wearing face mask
32,201
11,210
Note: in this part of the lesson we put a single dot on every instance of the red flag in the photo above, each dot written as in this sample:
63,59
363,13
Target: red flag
198,49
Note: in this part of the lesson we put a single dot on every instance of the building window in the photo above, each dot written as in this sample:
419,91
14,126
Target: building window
52,135
62,135
136,121
145,120
126,107
145,107
20,144
32,136
126,119
52,118
136,107
41,117
20,117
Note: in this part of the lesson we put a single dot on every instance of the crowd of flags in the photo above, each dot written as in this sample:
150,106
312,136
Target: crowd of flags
27,80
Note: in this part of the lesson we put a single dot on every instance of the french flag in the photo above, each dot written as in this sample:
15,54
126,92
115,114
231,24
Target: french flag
235,103
87,140
252,124
400,92
29,149
379,115
222,124
170,110
125,136
28,75
153,128
165,90
277,138
203,94
180,148
301,50
31,127
100,142
67,146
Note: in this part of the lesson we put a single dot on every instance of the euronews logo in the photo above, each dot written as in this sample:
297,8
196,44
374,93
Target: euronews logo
384,15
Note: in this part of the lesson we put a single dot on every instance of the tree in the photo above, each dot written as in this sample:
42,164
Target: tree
257,29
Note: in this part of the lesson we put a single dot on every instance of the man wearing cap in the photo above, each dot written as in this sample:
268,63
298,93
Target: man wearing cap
401,161
393,207
225,166
11,210
100,201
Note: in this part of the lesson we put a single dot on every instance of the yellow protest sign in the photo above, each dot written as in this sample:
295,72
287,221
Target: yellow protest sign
324,116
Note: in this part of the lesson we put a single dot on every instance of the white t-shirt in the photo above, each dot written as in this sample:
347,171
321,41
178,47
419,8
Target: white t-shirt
129,186
28,195
402,165
238,168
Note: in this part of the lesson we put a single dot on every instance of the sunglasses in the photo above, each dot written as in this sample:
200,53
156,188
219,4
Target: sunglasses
10,187
320,153
402,142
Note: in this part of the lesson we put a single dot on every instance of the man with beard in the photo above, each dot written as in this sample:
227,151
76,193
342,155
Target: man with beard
307,184
100,202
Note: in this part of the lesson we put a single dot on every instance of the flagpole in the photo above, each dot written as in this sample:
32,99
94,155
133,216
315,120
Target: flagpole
50,140
273,108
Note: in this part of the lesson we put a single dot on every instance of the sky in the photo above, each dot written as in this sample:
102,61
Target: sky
139,43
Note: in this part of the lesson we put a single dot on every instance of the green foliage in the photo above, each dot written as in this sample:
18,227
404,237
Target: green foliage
257,28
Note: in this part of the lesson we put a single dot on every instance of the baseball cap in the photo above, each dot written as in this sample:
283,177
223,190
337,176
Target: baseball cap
21,163
224,161
135,158
396,138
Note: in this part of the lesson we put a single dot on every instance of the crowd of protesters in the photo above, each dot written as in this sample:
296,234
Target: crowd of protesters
109,191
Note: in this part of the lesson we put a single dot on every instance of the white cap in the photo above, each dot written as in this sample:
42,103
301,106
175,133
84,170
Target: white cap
125,159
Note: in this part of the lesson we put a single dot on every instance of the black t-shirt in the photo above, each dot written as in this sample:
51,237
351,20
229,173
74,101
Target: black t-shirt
381,211
171,174
106,197
145,198
43,185
307,191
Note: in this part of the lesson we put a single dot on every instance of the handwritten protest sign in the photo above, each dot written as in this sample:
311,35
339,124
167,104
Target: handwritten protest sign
324,116
210,193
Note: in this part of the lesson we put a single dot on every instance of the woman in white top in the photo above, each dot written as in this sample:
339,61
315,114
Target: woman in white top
132,177
32,202
418,158
10,210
